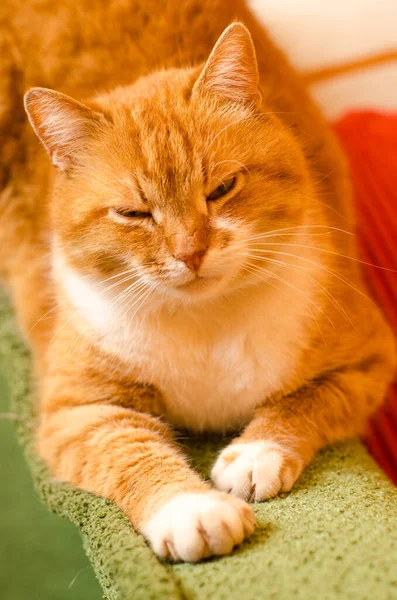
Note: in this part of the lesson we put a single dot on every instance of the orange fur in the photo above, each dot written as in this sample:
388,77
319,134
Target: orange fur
147,305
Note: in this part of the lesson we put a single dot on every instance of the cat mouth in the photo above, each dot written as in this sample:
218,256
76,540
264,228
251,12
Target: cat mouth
199,282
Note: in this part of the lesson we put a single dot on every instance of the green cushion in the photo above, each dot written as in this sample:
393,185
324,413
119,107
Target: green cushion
334,536
41,555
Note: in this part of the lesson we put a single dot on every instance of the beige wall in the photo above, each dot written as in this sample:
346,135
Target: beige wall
319,34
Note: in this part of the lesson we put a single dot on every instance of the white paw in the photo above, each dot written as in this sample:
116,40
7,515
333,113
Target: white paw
193,526
256,471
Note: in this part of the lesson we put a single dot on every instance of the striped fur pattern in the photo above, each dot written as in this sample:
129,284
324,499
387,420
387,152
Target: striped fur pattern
187,260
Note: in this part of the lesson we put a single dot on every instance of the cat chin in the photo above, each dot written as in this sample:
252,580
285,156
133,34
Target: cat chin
200,283
196,290
206,288
199,288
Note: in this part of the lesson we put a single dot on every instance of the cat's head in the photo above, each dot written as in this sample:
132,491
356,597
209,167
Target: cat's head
172,179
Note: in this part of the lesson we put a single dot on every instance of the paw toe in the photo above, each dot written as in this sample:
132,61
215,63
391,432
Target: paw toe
194,526
256,471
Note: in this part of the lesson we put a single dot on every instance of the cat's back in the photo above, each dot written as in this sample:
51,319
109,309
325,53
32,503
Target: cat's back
86,46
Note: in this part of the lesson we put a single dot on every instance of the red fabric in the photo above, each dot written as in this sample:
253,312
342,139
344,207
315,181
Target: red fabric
370,142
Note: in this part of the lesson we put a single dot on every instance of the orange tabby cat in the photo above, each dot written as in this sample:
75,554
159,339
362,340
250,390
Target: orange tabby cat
188,262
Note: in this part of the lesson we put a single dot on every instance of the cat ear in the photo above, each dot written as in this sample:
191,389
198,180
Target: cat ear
62,124
232,70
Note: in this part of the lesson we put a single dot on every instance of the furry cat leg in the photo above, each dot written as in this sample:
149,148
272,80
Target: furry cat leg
92,436
283,436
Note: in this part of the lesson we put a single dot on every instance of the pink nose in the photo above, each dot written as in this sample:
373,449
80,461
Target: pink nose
192,259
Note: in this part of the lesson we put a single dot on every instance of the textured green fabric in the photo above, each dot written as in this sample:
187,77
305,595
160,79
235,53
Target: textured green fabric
333,537
41,557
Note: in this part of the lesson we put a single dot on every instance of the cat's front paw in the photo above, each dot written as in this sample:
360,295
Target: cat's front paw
193,526
256,471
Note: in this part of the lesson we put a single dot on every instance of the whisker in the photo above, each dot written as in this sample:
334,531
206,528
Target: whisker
273,232
63,326
249,269
137,292
144,298
363,262
65,300
221,162
131,302
46,314
77,339
244,118
128,271
131,285
299,292
326,233
340,277
135,287
331,208
259,270
118,283
298,269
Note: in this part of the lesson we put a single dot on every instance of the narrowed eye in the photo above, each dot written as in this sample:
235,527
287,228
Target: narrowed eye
132,214
222,189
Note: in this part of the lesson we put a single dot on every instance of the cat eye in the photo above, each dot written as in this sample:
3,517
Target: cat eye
222,189
132,214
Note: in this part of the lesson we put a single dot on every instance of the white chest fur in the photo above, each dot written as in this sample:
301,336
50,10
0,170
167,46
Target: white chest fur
213,375
213,366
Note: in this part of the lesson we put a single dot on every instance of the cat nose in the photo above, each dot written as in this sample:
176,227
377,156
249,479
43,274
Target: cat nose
190,245
191,257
